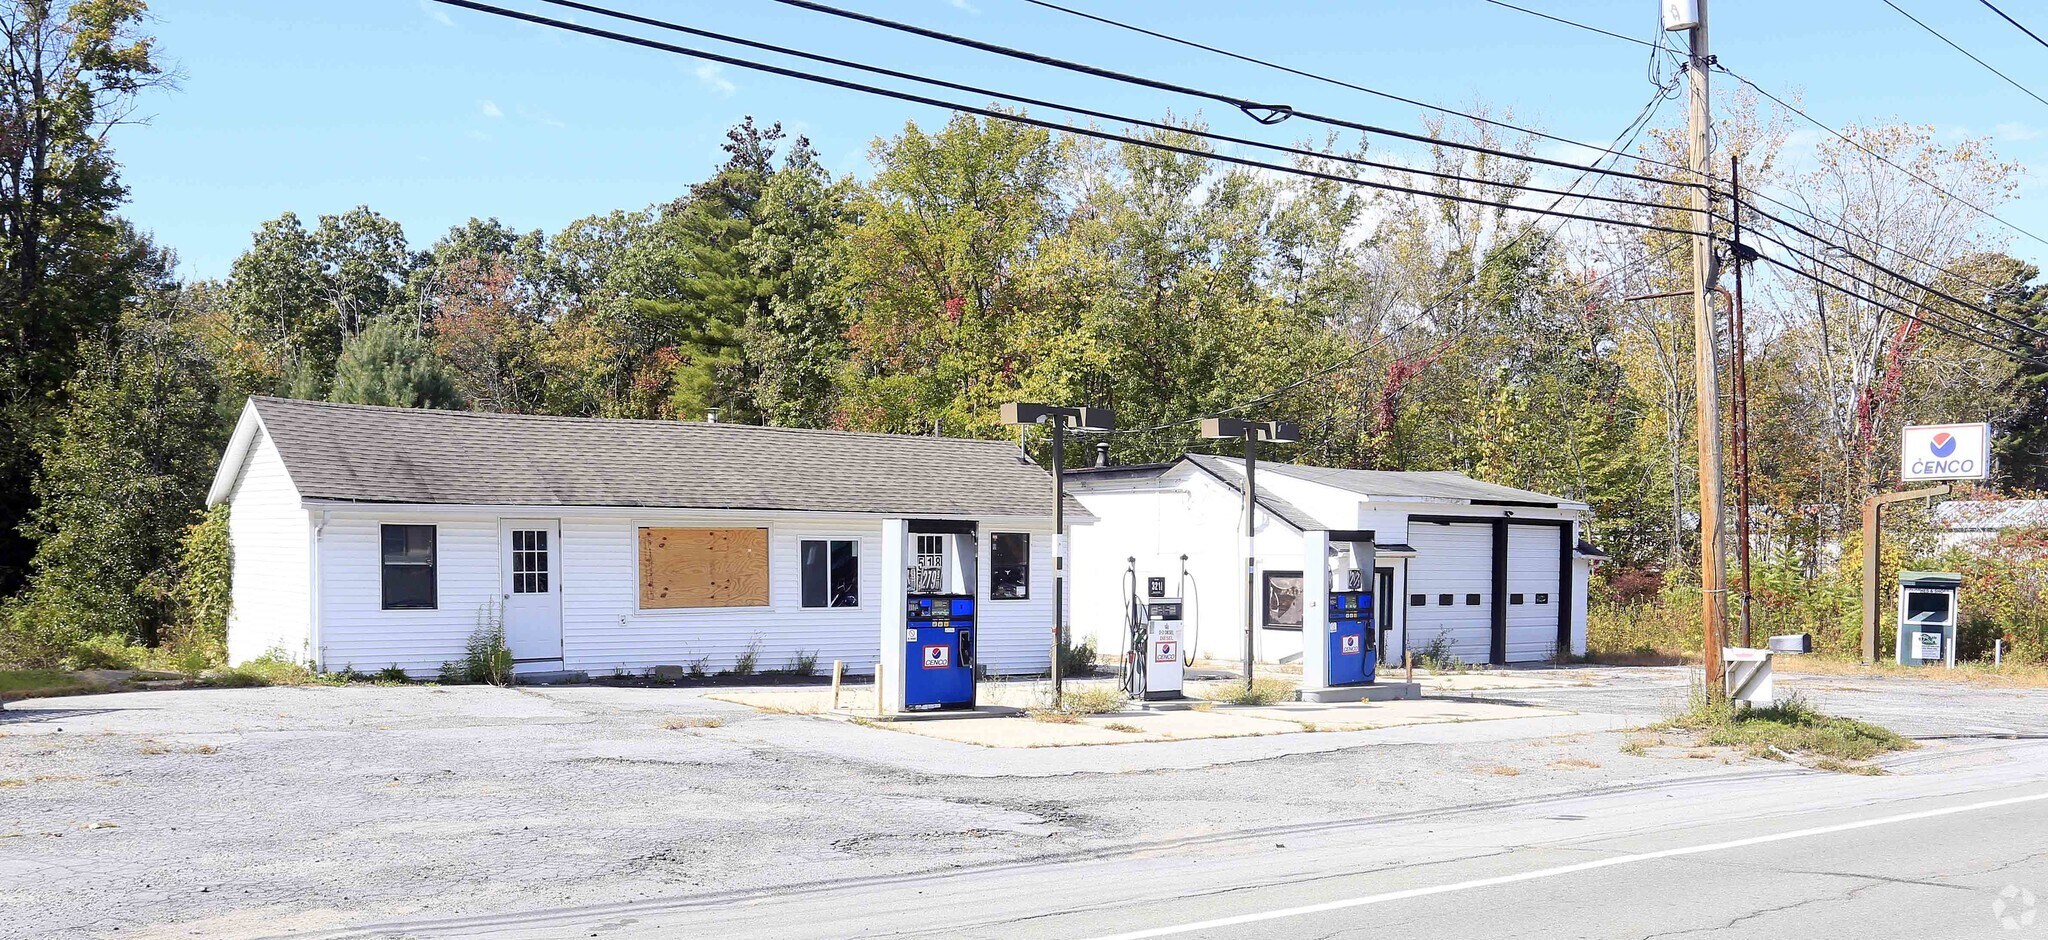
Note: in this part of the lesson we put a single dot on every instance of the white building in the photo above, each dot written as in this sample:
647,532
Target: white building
1498,573
368,537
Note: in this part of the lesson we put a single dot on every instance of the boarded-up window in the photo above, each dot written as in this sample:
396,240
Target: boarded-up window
682,568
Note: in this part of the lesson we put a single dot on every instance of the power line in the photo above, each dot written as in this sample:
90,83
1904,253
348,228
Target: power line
1018,118
1973,56
2016,23
1844,230
1810,119
1794,269
1575,23
1074,109
1341,83
1881,158
1628,133
1988,311
1263,113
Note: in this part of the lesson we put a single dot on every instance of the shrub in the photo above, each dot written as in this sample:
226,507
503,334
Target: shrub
272,668
1078,660
105,651
392,673
1436,655
748,660
204,588
486,660
804,663
1267,691
1075,704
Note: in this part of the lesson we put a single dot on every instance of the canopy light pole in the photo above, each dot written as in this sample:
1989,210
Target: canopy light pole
1252,432
1059,419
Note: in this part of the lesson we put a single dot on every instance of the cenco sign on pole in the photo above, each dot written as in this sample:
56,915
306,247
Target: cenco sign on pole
1945,452
1926,452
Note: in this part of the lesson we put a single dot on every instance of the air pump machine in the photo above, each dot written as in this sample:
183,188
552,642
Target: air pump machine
1158,647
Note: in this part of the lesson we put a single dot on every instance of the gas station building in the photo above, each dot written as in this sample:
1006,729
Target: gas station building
1498,573
369,537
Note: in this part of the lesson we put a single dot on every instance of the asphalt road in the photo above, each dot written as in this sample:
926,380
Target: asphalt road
1950,846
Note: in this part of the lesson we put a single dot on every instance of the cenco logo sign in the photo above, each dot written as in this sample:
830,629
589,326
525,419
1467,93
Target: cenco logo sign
1945,452
1941,460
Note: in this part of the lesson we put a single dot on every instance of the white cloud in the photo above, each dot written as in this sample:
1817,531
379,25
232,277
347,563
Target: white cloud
491,110
963,5
436,12
2015,130
713,76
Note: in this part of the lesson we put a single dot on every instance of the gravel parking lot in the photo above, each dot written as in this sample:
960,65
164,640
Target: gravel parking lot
265,812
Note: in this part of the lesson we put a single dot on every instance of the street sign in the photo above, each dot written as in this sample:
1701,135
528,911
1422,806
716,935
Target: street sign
1945,452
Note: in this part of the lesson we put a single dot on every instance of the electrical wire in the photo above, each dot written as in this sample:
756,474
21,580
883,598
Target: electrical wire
1881,158
1263,113
1987,311
2016,23
1844,230
1088,112
1624,139
1810,119
1794,269
1574,23
1018,118
1341,83
1972,56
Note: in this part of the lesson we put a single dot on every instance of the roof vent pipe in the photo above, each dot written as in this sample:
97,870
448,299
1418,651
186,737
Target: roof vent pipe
710,416
1102,453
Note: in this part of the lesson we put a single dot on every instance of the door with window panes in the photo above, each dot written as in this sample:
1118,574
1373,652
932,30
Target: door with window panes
531,562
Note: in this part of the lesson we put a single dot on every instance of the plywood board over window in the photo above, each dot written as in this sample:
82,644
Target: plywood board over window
683,568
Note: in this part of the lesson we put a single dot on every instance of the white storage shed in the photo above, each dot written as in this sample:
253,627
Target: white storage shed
1486,573
368,537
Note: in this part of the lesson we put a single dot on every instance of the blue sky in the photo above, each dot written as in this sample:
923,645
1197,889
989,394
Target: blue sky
431,114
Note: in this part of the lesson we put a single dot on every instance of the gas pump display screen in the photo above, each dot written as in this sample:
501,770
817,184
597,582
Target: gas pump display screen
1162,611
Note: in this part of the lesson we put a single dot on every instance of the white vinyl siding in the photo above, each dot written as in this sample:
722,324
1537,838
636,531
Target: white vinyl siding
1457,560
269,533
356,630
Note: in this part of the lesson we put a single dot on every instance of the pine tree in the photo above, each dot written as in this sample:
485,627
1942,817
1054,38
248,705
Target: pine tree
388,364
722,293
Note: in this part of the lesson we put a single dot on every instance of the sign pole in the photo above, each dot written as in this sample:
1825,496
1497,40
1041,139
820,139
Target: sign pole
1873,548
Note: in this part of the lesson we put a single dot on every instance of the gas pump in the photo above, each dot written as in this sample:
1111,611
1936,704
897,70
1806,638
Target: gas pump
1348,654
936,642
1153,667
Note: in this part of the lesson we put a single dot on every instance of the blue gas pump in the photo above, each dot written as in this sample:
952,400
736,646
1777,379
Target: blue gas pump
938,654
1354,654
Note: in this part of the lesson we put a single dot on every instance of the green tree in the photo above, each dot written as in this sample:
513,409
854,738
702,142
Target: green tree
797,341
71,72
123,476
722,292
388,364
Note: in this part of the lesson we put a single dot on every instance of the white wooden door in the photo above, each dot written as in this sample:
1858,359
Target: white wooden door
531,561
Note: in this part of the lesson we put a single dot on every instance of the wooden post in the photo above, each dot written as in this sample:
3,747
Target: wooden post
838,673
1873,549
1408,665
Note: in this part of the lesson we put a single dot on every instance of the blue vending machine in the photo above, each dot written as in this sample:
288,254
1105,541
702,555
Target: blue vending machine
938,654
1354,655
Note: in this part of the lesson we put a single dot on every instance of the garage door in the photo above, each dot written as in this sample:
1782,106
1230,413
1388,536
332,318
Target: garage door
1533,603
1450,589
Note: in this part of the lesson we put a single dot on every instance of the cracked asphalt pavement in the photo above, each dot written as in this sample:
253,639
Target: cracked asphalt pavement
416,812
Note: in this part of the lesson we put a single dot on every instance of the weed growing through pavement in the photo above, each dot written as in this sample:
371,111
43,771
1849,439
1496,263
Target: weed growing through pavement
1079,703
687,723
1785,730
1125,727
1266,691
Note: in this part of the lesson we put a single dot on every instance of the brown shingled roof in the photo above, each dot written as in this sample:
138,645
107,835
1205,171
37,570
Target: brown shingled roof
408,455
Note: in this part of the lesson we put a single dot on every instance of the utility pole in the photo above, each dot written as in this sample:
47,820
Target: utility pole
1706,370
1737,333
1083,419
1252,432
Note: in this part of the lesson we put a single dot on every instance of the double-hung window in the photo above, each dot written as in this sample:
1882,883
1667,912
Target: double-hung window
831,572
409,563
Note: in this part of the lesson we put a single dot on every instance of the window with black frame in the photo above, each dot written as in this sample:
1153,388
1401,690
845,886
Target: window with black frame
408,567
1283,600
1009,556
830,572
